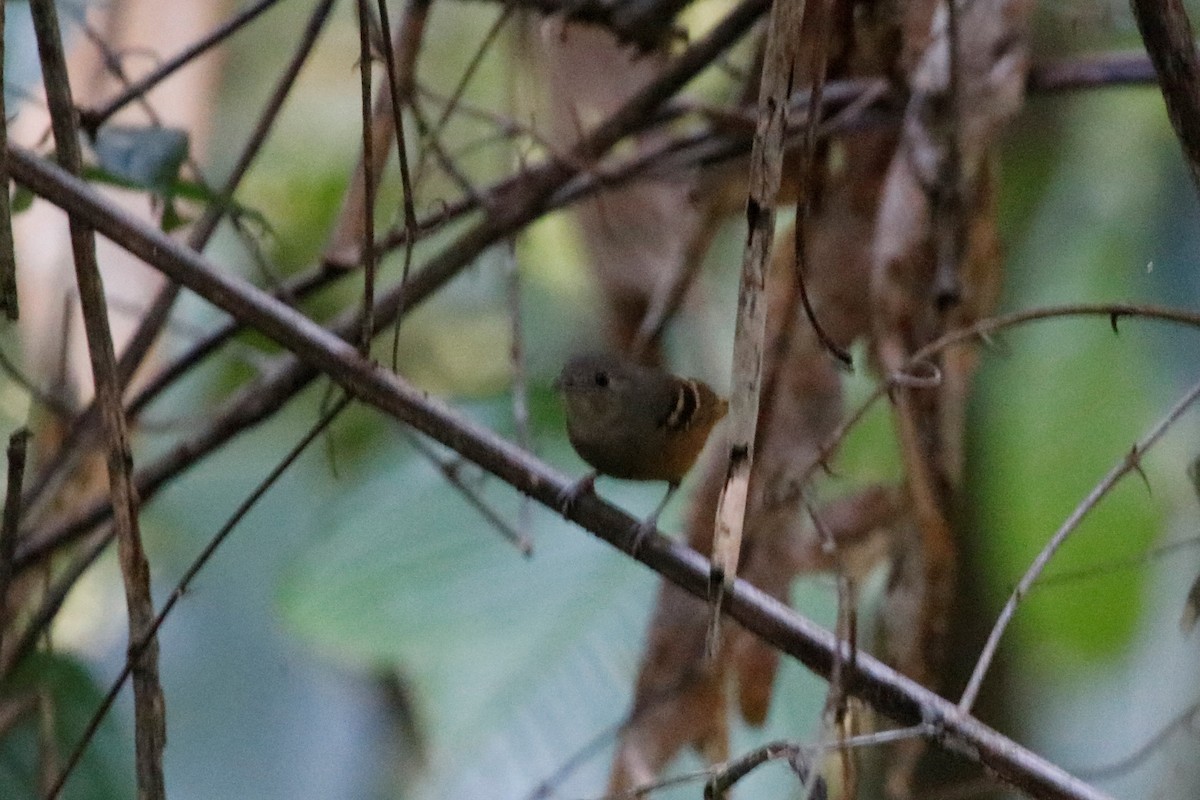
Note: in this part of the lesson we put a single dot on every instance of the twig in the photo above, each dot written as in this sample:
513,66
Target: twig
39,395
451,104
346,239
319,350
808,180
1129,762
984,327
91,120
367,245
450,471
149,712
946,193
290,291
746,369
1070,576
846,629
1090,72
54,596
797,755
1131,462
520,374
1167,32
725,775
399,91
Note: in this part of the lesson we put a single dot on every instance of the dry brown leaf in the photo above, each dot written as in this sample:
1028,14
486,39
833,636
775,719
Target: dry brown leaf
873,247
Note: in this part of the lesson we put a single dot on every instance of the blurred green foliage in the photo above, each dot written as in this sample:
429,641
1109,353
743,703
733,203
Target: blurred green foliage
69,696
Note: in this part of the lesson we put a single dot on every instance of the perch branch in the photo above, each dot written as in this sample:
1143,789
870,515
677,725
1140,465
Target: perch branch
894,695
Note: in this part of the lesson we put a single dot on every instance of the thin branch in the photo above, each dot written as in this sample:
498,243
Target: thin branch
1130,462
797,755
1072,576
367,246
846,627
1090,72
450,471
894,695
978,330
520,374
149,712
399,90
1182,721
91,120
39,395
346,239
290,291
433,134
809,179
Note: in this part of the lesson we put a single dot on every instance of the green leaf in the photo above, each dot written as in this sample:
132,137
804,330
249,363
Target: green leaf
106,769
22,199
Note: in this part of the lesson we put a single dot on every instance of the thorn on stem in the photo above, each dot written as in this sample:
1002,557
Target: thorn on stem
1134,460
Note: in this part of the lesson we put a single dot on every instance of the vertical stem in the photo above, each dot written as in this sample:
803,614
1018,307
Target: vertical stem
369,179
766,164
12,516
149,711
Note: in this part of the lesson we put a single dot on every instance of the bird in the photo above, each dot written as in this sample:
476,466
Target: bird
634,422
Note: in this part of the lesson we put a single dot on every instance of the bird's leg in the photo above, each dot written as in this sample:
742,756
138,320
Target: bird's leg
568,497
643,529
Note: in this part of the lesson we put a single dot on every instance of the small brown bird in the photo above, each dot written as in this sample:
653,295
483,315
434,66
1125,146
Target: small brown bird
634,422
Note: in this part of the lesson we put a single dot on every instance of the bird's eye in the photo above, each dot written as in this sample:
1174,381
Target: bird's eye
602,379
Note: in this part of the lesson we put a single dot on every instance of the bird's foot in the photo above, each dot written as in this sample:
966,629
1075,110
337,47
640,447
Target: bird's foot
641,533
568,497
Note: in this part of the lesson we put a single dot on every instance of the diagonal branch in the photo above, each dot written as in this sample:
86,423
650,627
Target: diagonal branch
1130,462
894,695
90,120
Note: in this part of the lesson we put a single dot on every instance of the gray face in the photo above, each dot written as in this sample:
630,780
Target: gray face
596,388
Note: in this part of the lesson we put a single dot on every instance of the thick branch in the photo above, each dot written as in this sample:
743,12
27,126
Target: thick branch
893,694
1167,32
